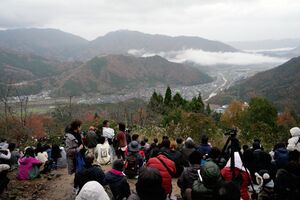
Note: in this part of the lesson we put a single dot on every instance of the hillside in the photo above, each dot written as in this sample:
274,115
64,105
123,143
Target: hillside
49,43
119,42
279,85
112,73
29,73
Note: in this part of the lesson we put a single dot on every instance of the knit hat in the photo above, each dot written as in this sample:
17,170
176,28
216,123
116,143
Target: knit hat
92,190
263,178
295,131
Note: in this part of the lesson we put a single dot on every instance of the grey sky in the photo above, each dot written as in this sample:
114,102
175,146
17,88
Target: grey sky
225,20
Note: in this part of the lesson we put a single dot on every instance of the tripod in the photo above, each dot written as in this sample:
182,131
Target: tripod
232,148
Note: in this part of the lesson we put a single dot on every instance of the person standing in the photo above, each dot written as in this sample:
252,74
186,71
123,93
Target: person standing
109,134
122,143
73,144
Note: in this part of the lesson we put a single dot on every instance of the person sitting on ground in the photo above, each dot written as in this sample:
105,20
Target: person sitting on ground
117,181
188,148
147,145
4,180
15,155
5,156
92,190
208,183
149,186
287,179
242,176
3,144
102,152
228,191
91,139
174,155
281,155
90,172
109,134
294,141
134,160
41,154
62,161
166,168
204,147
189,175
265,185
29,166
214,156
179,143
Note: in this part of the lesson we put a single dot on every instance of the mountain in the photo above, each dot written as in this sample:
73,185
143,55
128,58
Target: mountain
120,42
29,73
113,73
266,44
280,85
49,43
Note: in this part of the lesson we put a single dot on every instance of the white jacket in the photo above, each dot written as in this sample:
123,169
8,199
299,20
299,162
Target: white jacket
293,142
92,190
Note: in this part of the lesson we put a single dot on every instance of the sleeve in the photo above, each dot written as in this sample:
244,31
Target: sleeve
36,161
5,156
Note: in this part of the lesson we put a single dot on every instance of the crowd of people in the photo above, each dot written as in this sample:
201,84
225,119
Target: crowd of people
202,170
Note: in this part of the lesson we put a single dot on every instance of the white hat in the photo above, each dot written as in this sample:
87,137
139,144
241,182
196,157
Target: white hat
295,131
92,190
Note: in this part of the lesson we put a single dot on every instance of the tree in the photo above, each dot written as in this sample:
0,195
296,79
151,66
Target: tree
178,101
156,103
232,114
168,97
207,109
196,105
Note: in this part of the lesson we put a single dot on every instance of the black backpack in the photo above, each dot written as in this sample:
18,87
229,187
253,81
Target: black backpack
131,166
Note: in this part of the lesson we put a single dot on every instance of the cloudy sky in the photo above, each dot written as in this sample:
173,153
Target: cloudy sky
225,20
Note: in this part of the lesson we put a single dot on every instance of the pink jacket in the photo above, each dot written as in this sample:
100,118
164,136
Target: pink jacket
26,164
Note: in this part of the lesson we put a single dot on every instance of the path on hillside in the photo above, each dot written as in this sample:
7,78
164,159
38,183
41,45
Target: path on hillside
57,185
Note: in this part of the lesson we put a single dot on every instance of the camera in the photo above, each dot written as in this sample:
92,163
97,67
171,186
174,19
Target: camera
231,132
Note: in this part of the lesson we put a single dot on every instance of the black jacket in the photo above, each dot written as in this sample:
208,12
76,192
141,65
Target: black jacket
118,185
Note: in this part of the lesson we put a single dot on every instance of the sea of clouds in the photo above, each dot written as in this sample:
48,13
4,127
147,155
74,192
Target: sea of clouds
212,58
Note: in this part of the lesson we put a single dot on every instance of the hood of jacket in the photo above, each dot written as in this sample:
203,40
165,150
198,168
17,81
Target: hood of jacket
111,177
92,190
295,131
210,173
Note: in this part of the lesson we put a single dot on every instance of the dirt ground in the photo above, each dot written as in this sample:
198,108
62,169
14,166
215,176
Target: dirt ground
55,186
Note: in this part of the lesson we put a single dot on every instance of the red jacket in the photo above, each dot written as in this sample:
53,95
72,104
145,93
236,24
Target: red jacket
227,175
121,139
166,176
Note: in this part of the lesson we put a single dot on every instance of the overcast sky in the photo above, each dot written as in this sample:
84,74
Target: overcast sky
225,20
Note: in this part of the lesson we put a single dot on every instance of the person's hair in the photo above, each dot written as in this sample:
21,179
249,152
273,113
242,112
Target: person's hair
3,140
165,137
134,137
75,124
279,145
189,144
215,153
229,191
179,140
105,122
166,143
101,140
204,139
39,148
89,159
155,140
29,152
143,143
118,165
195,157
149,185
122,126
11,146
146,140
245,147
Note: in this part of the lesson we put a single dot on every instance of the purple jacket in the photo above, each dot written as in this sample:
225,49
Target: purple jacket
26,164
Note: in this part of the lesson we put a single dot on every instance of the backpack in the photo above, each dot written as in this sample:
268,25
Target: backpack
131,166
